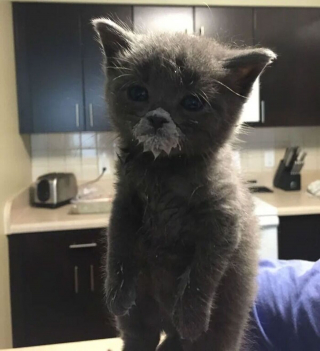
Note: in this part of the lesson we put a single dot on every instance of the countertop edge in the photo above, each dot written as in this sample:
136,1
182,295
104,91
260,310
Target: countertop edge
53,226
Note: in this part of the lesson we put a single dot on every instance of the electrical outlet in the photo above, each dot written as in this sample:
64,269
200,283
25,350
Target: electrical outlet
104,163
269,158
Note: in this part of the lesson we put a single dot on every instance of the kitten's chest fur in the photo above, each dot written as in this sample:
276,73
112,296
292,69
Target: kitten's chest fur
168,194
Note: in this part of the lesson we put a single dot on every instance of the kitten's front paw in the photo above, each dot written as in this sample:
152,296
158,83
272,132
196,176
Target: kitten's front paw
120,297
191,318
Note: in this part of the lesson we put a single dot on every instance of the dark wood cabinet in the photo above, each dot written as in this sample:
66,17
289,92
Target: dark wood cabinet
299,237
163,18
48,49
60,80
230,25
57,287
94,78
59,66
290,89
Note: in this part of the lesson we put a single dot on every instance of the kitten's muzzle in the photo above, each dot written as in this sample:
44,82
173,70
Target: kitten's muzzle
157,122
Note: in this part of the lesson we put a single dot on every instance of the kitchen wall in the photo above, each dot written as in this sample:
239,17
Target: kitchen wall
73,152
259,144
80,152
15,165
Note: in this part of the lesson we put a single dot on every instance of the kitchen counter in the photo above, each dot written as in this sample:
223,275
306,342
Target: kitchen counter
291,203
20,217
96,345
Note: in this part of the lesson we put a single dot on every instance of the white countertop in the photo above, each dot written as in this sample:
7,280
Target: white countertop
94,345
33,219
20,217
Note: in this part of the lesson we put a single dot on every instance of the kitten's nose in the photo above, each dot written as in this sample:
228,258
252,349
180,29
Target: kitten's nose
157,121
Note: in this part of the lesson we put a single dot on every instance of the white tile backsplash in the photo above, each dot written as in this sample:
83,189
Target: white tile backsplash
254,142
88,140
79,152
71,152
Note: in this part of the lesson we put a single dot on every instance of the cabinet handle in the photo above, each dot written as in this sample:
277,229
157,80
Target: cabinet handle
263,111
82,246
202,31
91,114
92,277
76,280
77,116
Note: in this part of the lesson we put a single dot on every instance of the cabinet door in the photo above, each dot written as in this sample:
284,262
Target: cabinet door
55,290
48,51
97,322
290,89
94,78
163,18
230,25
299,238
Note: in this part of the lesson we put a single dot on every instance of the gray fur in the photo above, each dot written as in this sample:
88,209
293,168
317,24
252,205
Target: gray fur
182,240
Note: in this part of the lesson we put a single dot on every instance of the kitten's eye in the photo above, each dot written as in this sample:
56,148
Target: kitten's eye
138,93
192,103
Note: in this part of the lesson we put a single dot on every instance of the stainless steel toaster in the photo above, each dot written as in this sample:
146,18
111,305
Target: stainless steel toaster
54,189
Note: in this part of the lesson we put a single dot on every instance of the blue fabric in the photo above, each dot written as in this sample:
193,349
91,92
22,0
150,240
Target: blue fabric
286,314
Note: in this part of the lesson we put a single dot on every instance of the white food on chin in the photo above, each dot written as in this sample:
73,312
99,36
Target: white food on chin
164,139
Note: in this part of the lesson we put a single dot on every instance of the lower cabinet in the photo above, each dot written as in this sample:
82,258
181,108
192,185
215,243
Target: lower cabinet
299,237
56,283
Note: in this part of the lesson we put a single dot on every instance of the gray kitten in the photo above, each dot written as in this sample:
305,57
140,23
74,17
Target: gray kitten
182,240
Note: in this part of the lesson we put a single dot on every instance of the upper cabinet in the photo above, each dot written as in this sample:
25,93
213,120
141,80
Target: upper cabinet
60,77
59,66
49,68
231,25
290,88
163,18
96,117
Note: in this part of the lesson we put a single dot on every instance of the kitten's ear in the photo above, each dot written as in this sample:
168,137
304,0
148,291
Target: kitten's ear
245,66
113,38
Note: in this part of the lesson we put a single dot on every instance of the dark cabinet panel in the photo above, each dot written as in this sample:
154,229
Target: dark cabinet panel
163,18
231,25
94,78
22,69
299,237
57,288
52,57
290,89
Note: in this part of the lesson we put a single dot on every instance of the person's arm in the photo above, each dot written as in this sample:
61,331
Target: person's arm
286,315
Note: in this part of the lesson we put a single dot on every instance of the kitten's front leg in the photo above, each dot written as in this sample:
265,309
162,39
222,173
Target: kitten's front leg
198,285
122,268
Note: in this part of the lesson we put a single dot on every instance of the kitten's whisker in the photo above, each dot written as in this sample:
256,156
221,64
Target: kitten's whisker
120,68
234,92
127,83
205,97
121,75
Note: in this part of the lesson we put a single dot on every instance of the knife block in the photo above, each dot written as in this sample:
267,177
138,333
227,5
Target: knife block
284,180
